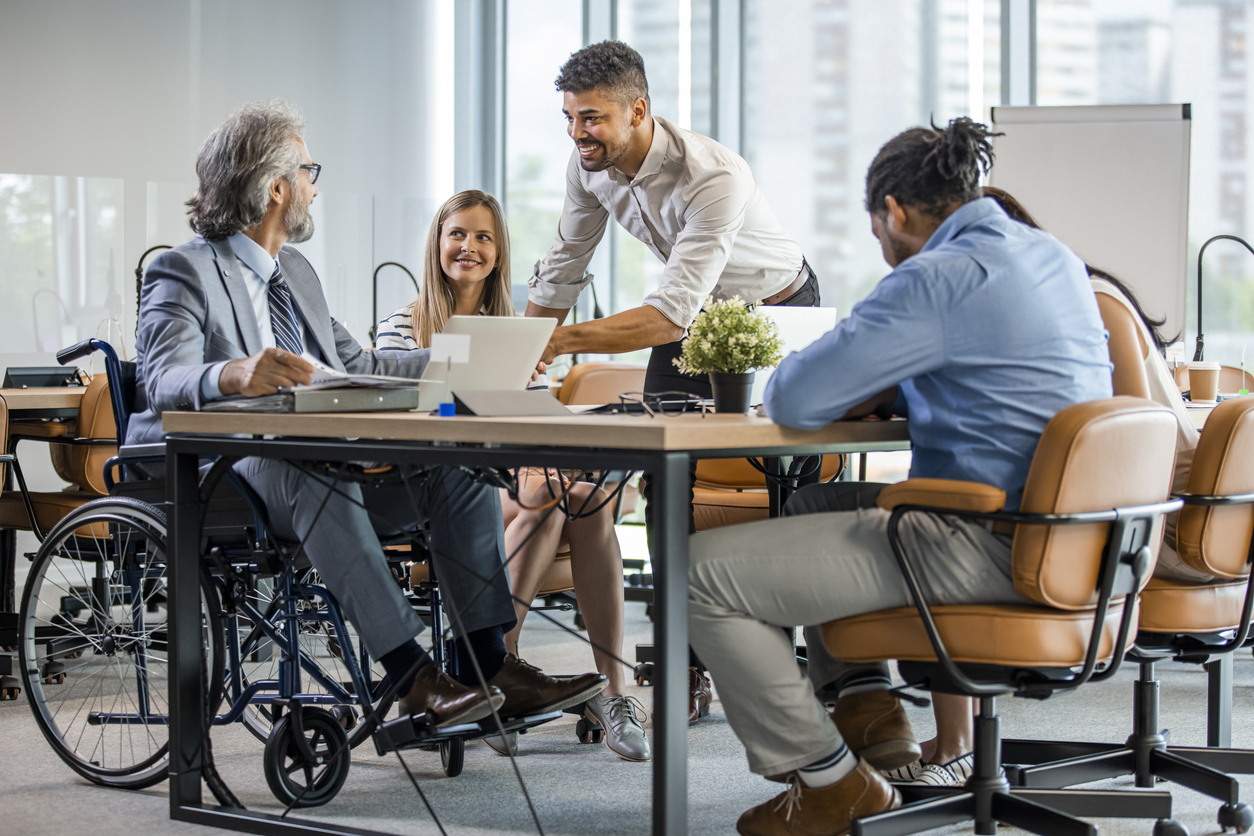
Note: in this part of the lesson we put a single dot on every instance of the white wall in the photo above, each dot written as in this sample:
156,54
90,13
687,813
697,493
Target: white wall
128,89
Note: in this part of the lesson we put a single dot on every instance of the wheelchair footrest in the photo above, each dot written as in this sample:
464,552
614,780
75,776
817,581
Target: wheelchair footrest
415,732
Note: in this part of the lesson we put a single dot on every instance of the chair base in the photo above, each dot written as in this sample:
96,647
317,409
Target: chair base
1146,754
988,798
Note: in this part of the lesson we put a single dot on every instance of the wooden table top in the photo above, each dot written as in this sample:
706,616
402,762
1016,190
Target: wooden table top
664,433
50,397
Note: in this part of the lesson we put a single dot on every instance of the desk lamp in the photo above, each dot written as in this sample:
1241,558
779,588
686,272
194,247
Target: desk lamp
374,294
1197,354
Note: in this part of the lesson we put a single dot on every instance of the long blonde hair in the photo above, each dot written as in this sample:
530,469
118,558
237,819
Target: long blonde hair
436,302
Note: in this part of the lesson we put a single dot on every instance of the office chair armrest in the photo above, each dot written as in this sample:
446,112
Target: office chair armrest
943,493
142,452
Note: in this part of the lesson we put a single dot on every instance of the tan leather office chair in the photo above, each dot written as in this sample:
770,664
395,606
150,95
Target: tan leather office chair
598,383
732,491
79,449
1231,379
1097,485
1189,622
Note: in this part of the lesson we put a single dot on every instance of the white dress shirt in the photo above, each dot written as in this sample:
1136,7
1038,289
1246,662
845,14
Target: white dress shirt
695,204
258,266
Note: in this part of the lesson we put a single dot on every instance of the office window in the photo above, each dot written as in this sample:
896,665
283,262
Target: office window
62,276
827,83
540,36
1159,51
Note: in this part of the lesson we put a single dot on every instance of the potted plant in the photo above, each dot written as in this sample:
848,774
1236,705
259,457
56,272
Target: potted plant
729,340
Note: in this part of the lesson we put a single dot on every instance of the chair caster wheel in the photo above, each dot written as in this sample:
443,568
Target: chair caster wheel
453,756
589,732
10,688
644,673
1170,827
295,780
1239,816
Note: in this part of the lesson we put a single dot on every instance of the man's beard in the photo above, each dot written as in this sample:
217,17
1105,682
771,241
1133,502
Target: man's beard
298,222
609,158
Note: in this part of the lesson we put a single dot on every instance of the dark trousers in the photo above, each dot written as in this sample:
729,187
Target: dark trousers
662,376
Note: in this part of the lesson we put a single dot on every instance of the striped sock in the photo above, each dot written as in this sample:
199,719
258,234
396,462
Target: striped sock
828,770
861,681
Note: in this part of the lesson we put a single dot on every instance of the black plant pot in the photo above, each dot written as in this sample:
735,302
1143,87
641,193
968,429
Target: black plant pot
731,391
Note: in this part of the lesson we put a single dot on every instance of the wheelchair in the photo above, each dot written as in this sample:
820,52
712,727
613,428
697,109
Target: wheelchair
279,656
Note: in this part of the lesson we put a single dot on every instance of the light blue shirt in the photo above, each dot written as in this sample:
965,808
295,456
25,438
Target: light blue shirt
258,267
988,332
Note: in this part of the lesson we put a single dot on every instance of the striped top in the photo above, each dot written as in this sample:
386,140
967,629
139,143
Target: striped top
396,332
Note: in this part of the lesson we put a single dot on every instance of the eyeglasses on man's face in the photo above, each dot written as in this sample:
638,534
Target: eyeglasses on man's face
314,170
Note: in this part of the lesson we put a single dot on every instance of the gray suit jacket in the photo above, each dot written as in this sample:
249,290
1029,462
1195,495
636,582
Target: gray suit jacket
195,311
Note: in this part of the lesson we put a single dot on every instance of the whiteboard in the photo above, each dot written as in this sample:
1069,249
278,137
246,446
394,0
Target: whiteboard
1112,183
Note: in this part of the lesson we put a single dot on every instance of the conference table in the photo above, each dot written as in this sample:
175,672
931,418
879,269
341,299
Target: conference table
661,446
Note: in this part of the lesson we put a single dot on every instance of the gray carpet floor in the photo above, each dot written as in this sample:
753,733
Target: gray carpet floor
576,788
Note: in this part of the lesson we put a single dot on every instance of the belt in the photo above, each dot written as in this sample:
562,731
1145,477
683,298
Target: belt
803,276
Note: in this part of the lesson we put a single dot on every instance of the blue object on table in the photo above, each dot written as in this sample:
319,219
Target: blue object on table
448,410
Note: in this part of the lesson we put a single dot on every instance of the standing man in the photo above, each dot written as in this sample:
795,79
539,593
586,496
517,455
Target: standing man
692,201
230,312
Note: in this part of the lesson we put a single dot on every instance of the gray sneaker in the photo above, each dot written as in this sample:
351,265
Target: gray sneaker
621,717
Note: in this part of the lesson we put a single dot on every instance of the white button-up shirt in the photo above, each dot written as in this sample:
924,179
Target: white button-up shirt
695,204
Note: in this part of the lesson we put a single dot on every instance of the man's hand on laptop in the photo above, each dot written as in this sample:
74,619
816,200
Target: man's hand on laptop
263,373
541,368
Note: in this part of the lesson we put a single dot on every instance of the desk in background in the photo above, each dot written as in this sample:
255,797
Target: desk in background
57,402
660,446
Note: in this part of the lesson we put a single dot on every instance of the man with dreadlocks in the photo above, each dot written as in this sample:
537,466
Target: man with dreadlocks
983,331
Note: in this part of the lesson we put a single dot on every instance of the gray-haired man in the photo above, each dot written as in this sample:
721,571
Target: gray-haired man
230,312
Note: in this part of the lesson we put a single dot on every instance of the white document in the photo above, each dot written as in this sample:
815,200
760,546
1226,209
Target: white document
325,377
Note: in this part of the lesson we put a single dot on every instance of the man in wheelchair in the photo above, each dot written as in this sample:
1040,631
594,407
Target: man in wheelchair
229,313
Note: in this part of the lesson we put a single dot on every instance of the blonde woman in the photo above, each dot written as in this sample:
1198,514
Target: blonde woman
466,272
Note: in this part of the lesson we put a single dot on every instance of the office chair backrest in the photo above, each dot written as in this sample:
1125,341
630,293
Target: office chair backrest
80,464
1216,540
4,435
738,474
599,383
1125,333
1092,456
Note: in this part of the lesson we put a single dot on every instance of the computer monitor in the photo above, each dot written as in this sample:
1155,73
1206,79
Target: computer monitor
798,327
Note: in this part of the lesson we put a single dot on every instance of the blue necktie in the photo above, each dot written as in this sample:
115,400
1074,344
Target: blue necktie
282,316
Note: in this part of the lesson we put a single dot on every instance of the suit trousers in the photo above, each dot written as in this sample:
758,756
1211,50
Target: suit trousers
341,540
748,581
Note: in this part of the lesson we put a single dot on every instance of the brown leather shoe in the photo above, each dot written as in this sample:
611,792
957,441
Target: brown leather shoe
528,690
699,696
447,699
826,811
876,728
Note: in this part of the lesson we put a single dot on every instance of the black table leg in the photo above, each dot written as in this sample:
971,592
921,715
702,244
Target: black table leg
670,607
186,659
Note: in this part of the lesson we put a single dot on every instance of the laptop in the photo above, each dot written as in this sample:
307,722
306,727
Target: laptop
503,354
798,327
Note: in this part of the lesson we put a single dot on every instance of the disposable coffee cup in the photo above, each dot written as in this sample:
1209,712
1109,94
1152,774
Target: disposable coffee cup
1204,381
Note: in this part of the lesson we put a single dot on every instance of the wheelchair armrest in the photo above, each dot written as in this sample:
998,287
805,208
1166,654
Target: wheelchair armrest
142,452
943,493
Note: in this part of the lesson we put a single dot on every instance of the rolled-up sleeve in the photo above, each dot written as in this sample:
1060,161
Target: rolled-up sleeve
715,213
891,336
560,277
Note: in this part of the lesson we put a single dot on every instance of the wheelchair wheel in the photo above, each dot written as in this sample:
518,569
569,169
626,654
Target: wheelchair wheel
94,615
323,664
294,779
453,756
